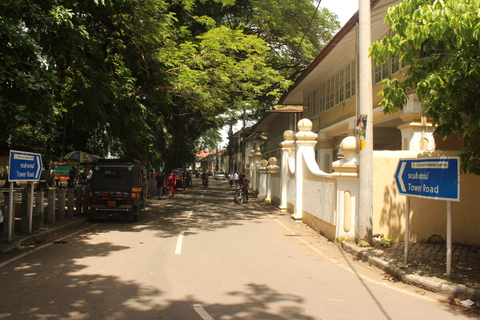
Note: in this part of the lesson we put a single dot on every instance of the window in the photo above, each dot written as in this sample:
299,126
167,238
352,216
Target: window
382,72
307,107
353,78
339,86
333,91
396,64
330,92
322,97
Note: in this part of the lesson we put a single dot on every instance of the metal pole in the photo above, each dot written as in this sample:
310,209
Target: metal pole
407,227
449,238
30,208
365,223
11,214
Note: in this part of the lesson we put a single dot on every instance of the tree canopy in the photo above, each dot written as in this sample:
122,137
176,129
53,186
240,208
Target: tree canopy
439,41
145,78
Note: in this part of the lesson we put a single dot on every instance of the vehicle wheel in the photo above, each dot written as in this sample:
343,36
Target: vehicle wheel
136,211
239,197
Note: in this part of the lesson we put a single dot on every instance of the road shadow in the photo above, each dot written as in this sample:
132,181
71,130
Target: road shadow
192,210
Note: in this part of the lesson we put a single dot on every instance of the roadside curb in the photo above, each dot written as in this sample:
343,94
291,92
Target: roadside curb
443,287
42,235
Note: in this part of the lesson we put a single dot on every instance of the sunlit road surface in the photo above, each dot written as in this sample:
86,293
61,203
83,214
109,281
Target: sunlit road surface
201,256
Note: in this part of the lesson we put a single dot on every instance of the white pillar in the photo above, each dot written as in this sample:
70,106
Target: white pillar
257,157
287,148
305,138
250,166
346,173
271,169
262,171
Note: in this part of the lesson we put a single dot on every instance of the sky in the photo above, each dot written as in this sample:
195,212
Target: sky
344,9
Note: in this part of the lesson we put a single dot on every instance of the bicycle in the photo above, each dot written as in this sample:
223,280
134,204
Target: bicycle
240,197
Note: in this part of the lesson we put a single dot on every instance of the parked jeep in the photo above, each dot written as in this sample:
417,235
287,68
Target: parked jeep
118,189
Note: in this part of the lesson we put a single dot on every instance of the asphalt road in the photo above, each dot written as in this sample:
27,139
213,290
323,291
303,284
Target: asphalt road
201,256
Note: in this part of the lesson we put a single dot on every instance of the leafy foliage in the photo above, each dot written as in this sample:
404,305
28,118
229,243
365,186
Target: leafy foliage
144,78
439,41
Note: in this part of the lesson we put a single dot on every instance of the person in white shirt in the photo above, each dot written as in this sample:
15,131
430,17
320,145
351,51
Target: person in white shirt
235,177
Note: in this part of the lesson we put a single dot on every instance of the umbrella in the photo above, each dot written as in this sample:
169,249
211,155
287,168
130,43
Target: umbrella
81,157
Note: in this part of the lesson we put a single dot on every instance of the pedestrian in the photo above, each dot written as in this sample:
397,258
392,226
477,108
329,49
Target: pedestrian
235,177
159,181
189,178
230,177
165,184
71,176
89,175
52,176
241,176
245,182
172,185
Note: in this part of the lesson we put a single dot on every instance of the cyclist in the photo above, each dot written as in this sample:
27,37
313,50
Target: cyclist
245,182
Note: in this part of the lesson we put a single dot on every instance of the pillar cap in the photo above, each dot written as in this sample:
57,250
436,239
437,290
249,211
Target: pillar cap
350,146
288,135
305,125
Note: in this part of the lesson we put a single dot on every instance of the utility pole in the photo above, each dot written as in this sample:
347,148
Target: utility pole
242,137
365,224
230,148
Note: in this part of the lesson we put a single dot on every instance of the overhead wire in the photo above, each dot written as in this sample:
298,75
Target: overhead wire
304,34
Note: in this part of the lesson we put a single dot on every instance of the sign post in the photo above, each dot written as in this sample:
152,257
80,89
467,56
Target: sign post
433,178
23,166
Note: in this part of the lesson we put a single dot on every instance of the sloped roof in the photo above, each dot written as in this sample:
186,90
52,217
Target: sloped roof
328,48
277,111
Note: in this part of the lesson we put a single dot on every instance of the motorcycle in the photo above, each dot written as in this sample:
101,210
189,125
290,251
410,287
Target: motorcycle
205,182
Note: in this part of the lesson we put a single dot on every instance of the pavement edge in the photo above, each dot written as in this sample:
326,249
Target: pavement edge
448,289
41,236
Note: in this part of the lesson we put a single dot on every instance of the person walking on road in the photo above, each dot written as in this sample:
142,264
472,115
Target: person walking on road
159,183
231,177
172,185
71,177
235,177
245,182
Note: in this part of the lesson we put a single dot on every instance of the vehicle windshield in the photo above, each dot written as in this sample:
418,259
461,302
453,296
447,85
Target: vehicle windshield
118,178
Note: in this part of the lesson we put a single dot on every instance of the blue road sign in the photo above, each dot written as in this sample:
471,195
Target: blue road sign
437,178
24,166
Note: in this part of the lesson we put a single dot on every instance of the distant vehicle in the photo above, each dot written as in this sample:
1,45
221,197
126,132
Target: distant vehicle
62,170
220,175
204,179
180,178
118,189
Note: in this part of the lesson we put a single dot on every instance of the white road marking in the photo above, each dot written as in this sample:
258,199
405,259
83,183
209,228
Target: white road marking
178,250
201,312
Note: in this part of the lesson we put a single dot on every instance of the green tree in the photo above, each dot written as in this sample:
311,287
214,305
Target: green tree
439,41
25,79
147,78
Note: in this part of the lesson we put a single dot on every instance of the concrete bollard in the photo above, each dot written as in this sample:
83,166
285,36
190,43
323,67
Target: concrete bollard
52,197
78,200
60,216
24,224
70,202
6,214
39,210
86,199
